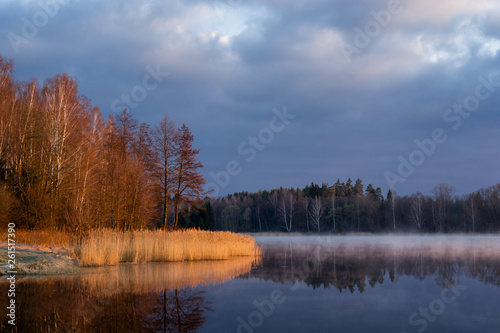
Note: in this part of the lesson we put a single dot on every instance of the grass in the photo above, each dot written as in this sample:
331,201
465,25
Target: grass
46,252
109,247
44,238
40,252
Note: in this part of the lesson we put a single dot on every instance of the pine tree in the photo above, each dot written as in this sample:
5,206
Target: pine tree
189,182
358,188
348,189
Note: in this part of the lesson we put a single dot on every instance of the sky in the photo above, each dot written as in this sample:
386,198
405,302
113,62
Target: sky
401,94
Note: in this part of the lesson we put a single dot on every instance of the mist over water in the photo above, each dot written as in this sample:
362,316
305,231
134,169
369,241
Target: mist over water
358,283
457,239
327,259
450,245
382,283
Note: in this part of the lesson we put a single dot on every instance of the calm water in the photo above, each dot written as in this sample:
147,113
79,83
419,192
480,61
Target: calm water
301,284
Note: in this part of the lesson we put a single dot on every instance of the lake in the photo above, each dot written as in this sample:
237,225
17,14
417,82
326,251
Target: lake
301,284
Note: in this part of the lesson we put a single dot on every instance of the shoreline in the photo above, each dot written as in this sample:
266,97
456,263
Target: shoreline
37,256
53,260
34,259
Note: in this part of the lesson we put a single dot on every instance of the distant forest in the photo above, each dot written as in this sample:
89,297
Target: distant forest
350,207
63,166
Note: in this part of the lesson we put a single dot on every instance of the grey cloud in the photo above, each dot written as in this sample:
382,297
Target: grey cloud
229,69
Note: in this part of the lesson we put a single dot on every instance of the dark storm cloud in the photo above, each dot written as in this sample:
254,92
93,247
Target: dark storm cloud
230,63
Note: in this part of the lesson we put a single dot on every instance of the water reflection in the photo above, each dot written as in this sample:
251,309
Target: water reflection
181,297
182,311
159,276
352,265
166,311
157,297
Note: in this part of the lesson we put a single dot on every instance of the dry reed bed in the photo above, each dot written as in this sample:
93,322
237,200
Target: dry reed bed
109,247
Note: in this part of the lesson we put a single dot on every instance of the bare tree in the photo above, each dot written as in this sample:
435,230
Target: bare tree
62,111
316,212
87,164
443,193
291,208
165,137
63,166
23,131
417,209
126,194
391,197
471,212
274,200
7,98
286,210
490,198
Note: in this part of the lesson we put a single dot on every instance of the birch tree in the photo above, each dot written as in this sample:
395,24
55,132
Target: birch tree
287,209
471,211
442,194
283,211
62,110
85,178
316,212
417,209
6,100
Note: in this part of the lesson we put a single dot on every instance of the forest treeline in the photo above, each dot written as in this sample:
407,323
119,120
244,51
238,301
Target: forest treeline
350,207
63,166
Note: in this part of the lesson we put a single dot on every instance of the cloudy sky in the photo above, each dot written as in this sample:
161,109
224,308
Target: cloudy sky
288,92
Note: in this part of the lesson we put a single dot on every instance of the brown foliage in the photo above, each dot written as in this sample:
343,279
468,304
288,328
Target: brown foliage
62,166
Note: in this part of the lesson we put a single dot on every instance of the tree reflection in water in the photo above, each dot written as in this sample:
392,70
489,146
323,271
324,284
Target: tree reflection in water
126,298
180,311
167,311
352,266
171,298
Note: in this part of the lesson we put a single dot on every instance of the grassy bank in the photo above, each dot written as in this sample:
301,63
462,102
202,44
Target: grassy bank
32,260
112,247
46,252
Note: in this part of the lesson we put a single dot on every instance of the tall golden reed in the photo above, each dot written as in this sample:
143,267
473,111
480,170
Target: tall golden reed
107,247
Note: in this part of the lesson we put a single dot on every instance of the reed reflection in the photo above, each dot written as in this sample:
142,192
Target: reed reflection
157,297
